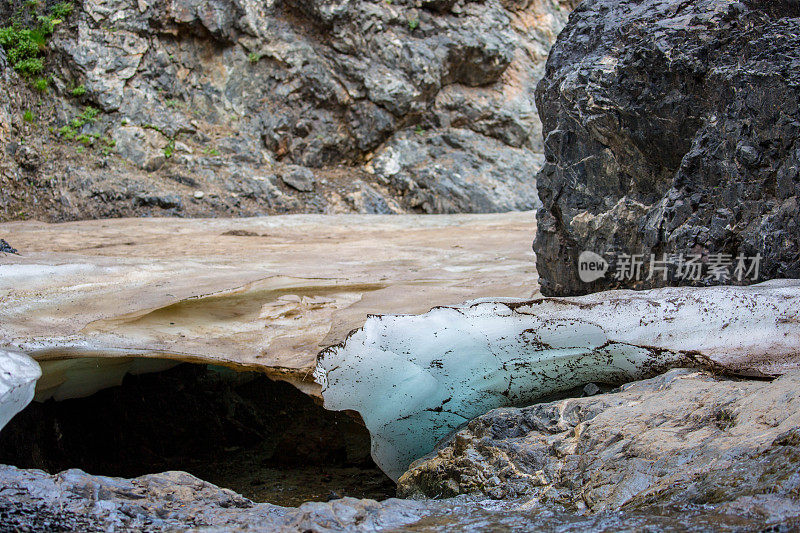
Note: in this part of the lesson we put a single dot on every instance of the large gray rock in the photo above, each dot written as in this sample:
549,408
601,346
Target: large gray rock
682,437
671,128
458,170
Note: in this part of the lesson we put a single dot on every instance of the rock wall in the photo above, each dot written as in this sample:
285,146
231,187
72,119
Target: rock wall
671,128
216,107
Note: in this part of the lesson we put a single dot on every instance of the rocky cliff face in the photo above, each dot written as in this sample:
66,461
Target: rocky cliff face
243,107
671,128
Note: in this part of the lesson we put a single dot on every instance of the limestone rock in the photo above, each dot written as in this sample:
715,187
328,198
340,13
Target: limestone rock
144,147
685,436
458,170
242,89
299,178
671,128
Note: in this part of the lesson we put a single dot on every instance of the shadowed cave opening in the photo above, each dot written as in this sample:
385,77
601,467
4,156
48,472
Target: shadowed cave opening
240,430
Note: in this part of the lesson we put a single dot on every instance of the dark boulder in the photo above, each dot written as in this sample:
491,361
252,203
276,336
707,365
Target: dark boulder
671,128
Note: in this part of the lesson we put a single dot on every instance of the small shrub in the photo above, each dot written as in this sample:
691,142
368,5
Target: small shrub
169,149
28,117
62,10
413,24
29,67
41,84
25,40
253,57
78,91
70,131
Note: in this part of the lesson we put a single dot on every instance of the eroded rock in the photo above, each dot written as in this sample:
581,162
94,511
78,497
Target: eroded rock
239,89
670,128
685,436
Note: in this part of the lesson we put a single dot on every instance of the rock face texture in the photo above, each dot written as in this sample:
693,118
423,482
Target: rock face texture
671,128
230,97
722,455
682,437
32,500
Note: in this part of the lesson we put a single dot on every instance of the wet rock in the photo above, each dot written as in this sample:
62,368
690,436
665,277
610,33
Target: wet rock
671,128
170,501
684,436
6,248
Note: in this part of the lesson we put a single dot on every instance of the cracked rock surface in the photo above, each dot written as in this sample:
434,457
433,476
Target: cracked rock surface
682,437
671,128
229,97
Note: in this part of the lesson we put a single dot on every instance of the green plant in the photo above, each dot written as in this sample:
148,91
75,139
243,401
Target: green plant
41,84
62,10
419,130
169,149
108,144
25,40
413,24
211,151
172,103
78,91
253,57
28,117
29,67
70,131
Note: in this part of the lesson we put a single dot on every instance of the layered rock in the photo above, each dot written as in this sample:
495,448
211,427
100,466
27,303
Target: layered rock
219,97
671,128
683,437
